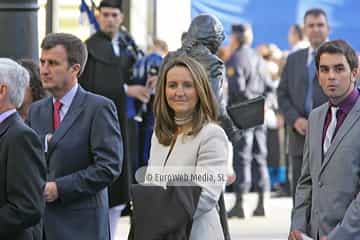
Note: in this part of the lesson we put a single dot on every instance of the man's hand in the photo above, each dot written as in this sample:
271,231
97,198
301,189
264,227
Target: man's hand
138,91
230,179
51,192
324,238
295,235
151,81
280,121
301,125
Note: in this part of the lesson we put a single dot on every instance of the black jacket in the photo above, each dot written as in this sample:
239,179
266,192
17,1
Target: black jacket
105,74
22,179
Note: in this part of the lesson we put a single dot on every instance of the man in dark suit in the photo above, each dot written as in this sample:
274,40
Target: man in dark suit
22,163
299,91
82,141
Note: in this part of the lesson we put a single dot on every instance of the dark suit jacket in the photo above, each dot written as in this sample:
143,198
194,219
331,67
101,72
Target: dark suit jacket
84,156
22,178
291,96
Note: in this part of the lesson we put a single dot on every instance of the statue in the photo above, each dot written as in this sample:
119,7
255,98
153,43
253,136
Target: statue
201,42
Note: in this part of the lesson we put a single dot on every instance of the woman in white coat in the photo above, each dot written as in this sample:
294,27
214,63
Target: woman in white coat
187,136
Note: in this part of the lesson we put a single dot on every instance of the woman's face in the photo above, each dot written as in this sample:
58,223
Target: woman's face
180,91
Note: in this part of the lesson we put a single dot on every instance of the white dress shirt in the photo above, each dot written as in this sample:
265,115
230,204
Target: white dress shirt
66,101
115,44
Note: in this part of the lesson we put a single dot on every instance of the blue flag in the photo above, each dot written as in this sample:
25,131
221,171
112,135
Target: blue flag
86,15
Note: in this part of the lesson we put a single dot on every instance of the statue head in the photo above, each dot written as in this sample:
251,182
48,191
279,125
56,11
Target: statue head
207,30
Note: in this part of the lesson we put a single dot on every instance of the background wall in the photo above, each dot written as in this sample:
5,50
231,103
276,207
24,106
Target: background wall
272,19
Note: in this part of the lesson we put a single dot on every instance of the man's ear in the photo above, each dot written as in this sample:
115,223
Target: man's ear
3,91
97,15
354,74
76,69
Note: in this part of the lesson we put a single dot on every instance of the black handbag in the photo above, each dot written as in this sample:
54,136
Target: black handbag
162,214
248,113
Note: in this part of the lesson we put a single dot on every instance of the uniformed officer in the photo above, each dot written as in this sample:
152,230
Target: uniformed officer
247,77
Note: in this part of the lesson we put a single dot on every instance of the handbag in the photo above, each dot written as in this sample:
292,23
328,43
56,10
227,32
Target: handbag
162,214
248,113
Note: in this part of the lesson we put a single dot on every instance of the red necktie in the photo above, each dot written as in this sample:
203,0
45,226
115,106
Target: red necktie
56,117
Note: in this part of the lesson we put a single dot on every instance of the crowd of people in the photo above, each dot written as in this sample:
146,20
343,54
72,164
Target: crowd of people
77,130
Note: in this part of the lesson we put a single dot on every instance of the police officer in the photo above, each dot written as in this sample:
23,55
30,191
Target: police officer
247,77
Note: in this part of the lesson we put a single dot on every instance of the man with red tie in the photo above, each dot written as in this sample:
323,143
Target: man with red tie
82,141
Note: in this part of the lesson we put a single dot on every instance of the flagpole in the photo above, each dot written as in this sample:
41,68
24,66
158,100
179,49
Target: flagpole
52,16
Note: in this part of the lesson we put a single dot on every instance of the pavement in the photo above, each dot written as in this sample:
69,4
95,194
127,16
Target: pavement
274,226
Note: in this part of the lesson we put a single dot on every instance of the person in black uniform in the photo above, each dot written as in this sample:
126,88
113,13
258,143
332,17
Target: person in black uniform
247,76
111,55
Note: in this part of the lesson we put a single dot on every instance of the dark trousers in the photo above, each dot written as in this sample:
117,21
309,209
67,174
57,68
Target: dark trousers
244,153
296,164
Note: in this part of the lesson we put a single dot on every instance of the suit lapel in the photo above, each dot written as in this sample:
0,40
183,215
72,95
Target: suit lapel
350,120
302,77
47,115
305,69
304,59
73,113
319,134
4,126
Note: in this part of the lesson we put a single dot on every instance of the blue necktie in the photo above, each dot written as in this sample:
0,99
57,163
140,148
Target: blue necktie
311,75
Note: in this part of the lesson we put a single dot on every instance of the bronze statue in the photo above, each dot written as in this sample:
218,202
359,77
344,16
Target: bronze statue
201,42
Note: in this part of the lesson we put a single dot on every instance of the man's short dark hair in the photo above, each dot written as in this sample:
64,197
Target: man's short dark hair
316,12
111,4
241,32
338,47
75,49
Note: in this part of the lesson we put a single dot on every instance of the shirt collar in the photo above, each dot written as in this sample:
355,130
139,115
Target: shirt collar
115,39
311,50
310,56
346,105
67,99
6,114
